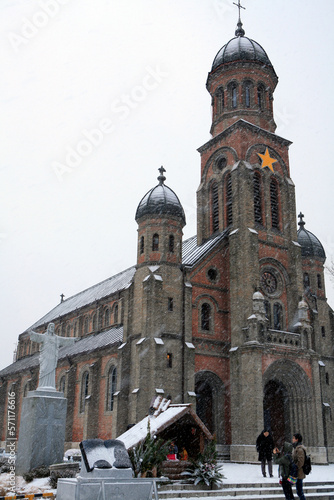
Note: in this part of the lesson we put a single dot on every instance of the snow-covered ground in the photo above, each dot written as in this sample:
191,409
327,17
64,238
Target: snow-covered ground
234,474
245,473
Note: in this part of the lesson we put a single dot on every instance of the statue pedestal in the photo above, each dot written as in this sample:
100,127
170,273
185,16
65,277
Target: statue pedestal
42,429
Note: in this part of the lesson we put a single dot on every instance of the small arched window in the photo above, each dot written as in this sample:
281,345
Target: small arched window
84,391
278,316
206,317
142,245
171,243
274,204
228,200
319,281
247,94
26,389
95,323
267,311
68,331
214,207
220,101
155,243
116,313
62,384
112,383
306,280
234,95
86,325
261,97
107,317
257,198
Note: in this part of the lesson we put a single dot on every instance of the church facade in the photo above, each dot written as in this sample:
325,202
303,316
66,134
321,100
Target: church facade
233,320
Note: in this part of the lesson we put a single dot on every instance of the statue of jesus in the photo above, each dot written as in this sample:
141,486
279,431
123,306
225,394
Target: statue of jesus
48,356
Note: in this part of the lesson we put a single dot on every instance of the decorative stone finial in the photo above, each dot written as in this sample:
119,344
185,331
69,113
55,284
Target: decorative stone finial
301,222
239,31
161,177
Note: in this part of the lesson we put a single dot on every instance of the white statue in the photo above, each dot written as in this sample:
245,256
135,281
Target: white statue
48,356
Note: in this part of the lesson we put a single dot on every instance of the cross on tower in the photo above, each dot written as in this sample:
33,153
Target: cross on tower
161,177
301,222
239,7
239,31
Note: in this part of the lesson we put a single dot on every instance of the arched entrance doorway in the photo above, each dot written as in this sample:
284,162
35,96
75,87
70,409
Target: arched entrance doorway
288,404
276,413
210,403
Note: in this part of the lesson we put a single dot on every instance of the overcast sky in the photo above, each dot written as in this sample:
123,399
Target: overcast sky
97,94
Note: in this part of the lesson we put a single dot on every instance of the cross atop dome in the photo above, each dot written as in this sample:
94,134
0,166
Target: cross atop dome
161,177
239,31
301,222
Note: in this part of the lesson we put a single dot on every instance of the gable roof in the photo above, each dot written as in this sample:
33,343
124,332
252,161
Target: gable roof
84,345
192,253
96,292
138,432
246,125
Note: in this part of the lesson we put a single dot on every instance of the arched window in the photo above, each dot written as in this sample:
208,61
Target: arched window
84,391
206,316
95,322
278,316
26,389
86,325
267,311
228,200
62,384
142,244
68,331
234,95
116,313
274,204
112,383
107,317
81,322
261,97
257,198
155,243
75,329
306,280
220,101
171,243
214,207
319,281
247,94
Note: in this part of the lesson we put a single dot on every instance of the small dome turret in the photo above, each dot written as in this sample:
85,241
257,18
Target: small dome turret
310,245
160,201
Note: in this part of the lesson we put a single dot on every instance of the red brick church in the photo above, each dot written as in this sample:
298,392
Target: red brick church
233,320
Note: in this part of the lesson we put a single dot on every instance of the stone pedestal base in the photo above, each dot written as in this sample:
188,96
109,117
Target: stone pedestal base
105,483
42,430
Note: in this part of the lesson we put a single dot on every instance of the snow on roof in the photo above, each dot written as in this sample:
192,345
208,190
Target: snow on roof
191,252
138,432
107,287
84,345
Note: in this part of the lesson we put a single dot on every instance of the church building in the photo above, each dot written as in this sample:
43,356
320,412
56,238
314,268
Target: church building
233,320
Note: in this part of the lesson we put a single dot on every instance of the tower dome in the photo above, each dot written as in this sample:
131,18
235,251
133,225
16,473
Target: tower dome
241,48
160,201
310,245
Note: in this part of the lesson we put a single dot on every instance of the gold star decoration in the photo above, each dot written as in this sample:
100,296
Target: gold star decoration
266,160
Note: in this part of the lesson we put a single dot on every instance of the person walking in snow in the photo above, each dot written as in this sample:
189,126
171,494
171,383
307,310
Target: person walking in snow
284,459
265,446
298,456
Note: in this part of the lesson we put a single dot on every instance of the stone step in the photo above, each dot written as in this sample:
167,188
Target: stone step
323,491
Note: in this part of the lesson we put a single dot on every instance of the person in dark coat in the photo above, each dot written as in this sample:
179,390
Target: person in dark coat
298,455
265,446
283,459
